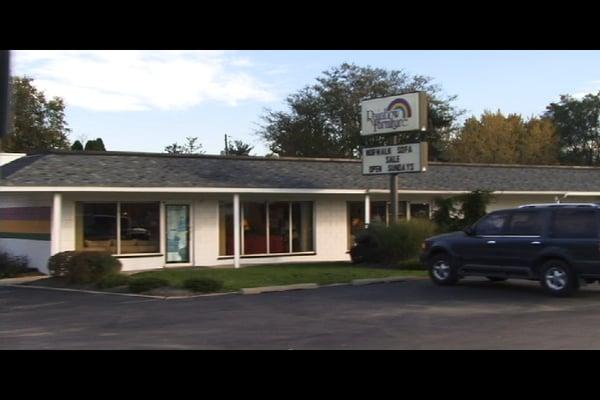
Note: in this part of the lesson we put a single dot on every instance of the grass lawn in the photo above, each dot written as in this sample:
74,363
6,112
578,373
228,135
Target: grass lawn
281,274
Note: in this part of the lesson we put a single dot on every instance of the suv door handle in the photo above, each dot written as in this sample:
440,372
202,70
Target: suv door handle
536,242
491,242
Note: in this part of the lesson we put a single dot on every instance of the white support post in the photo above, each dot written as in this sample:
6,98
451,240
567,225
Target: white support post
55,224
367,210
236,230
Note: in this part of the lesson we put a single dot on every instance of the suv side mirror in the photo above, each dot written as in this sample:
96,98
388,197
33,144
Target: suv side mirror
469,230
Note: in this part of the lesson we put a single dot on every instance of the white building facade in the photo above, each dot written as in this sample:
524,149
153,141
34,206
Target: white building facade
157,211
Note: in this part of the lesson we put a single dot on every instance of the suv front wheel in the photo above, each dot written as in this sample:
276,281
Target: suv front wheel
441,270
557,278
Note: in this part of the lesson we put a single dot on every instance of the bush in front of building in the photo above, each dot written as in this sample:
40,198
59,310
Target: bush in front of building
458,212
83,266
203,285
11,266
391,244
113,280
146,283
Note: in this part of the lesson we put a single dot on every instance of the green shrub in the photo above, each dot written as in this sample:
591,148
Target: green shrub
391,244
145,283
456,213
203,285
57,264
113,280
83,266
11,266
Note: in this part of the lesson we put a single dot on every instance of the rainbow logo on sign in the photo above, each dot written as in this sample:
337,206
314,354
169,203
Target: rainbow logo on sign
401,104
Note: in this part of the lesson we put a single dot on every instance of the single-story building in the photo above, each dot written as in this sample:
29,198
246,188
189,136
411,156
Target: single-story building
159,210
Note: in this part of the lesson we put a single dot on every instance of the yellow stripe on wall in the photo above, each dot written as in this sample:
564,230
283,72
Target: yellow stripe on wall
20,226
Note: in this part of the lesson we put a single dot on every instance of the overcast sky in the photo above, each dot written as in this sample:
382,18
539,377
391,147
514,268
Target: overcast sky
145,100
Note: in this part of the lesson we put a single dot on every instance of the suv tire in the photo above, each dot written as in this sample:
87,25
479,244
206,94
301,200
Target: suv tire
442,271
557,278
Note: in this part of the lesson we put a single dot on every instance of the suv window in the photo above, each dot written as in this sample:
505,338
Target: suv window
525,223
492,224
578,224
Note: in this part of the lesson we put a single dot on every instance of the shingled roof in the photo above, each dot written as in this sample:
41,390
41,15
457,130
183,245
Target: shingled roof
120,169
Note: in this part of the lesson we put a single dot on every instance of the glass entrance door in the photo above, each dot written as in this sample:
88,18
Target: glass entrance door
178,233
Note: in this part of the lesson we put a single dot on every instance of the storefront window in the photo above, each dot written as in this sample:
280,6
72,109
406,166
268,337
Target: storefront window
96,227
356,217
140,228
225,229
255,222
402,205
302,226
254,225
419,210
279,227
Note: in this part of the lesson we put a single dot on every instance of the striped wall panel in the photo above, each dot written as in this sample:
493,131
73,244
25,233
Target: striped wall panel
31,223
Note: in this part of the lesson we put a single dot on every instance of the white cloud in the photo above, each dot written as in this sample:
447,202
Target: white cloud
124,80
592,87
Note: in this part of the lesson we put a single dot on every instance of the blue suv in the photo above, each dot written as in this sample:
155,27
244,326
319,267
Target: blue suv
556,244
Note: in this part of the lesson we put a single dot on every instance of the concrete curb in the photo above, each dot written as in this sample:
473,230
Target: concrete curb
23,279
148,296
360,282
282,288
255,290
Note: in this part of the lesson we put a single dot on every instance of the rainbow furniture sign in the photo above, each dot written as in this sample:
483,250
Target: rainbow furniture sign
402,113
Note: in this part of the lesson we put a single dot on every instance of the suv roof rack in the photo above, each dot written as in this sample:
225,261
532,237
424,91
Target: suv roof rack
561,205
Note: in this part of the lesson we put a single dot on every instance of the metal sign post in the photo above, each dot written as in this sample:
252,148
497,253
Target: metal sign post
394,197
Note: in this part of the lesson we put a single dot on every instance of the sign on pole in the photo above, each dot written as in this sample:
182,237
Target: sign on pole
401,113
395,159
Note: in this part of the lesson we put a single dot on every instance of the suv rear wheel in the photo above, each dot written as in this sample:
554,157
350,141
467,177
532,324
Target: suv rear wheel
441,270
557,278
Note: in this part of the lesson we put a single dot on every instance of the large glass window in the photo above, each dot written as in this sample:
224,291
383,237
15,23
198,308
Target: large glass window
302,226
140,228
402,207
574,224
225,228
419,210
356,217
96,227
255,228
287,223
279,227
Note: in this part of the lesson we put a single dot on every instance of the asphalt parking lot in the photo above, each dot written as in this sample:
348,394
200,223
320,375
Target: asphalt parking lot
407,315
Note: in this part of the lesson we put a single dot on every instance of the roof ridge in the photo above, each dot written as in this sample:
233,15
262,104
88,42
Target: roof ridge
306,159
205,156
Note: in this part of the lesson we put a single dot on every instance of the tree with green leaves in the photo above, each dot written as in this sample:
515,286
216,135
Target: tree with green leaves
77,146
238,148
578,125
95,145
323,119
36,124
190,147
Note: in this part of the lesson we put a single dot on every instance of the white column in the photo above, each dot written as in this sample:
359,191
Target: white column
55,224
367,210
236,230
